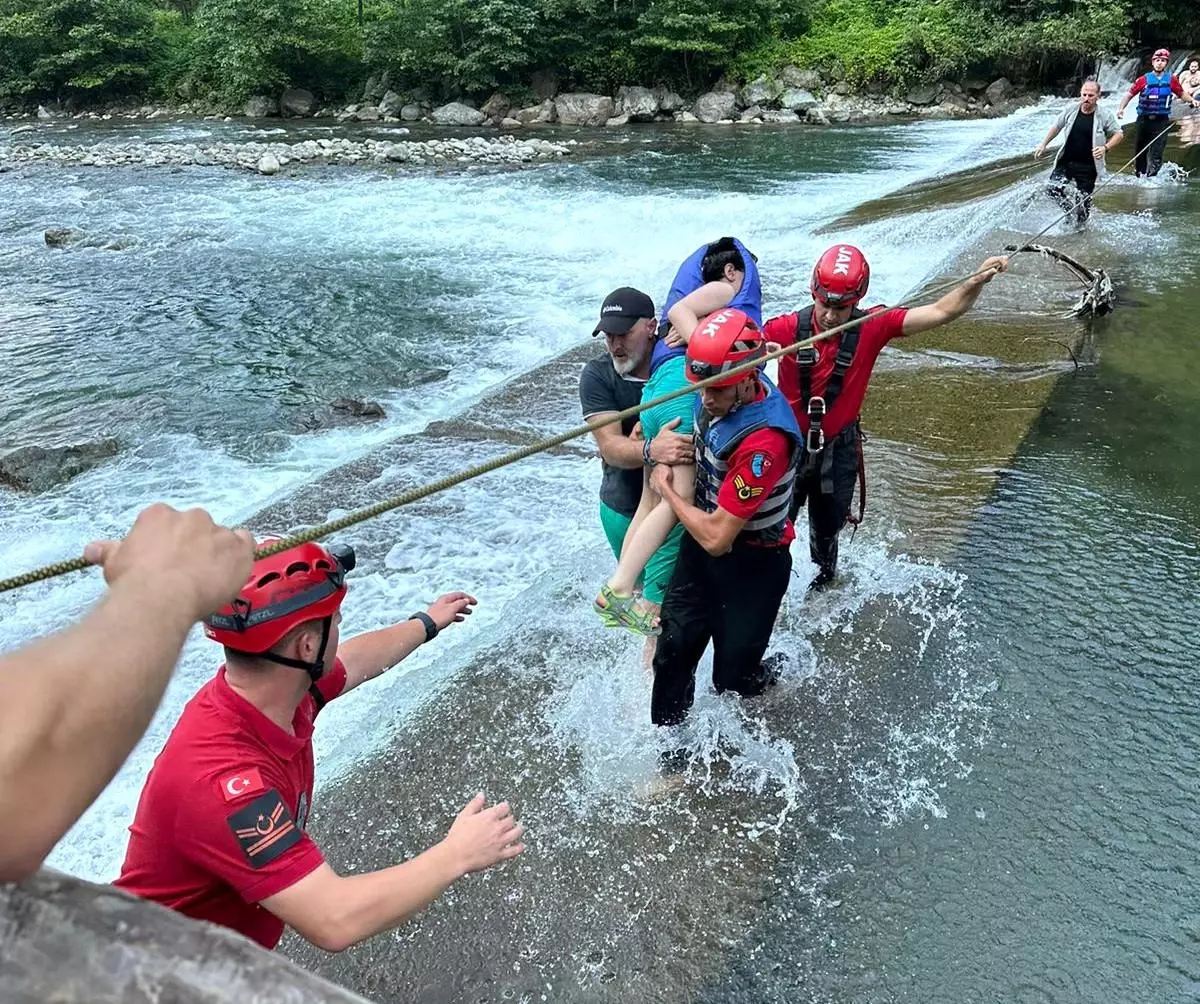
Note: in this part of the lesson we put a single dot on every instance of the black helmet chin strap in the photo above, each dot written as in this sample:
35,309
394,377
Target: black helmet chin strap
314,669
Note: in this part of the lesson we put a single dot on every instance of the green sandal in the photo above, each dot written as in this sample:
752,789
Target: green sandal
621,612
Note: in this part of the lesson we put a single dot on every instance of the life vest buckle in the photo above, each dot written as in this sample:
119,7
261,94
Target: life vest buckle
808,356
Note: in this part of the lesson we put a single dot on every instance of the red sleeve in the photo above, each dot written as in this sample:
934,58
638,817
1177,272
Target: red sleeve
251,841
781,329
886,324
1138,85
754,470
1176,86
333,683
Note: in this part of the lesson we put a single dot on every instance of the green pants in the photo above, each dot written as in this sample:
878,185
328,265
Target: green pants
657,572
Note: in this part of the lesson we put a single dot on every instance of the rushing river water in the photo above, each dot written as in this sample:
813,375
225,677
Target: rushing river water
975,782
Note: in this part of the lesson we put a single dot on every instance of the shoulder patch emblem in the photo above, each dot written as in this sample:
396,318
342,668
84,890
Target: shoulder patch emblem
245,782
265,829
745,492
760,463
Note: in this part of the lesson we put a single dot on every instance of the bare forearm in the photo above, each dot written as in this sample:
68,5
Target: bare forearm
369,655
698,523
71,709
619,450
379,901
958,301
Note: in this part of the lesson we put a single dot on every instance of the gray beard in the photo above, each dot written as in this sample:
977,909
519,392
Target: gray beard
627,365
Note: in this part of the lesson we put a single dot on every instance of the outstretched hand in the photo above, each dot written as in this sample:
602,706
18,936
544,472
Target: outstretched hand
453,608
989,269
481,837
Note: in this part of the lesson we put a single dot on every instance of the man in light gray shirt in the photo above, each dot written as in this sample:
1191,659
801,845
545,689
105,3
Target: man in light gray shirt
1090,133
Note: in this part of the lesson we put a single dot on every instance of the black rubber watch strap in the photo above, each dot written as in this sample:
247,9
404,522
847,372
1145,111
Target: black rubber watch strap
431,629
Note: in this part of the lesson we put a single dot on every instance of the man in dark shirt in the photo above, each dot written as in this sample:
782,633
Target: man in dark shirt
1091,133
610,383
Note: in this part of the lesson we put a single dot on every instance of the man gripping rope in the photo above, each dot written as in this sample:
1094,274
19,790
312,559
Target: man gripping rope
1154,90
827,383
733,566
219,833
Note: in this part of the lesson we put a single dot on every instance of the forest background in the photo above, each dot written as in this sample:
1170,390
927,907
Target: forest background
87,51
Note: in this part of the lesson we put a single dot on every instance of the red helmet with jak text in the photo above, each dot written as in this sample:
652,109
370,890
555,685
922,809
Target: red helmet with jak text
722,341
841,276
1161,54
304,583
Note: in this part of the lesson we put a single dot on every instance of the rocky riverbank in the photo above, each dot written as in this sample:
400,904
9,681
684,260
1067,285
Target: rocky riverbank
794,95
271,158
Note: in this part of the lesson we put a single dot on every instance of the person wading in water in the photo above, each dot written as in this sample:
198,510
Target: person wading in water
1154,91
1090,133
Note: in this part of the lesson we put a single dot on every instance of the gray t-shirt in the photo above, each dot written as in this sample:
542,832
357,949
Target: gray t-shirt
602,389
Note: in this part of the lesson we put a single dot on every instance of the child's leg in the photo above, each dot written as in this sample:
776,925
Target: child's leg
645,506
641,542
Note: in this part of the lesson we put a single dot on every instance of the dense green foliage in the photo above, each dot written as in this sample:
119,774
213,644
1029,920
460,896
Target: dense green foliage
225,50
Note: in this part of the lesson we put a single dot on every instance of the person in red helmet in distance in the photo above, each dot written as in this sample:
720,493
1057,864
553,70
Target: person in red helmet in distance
219,832
733,566
826,383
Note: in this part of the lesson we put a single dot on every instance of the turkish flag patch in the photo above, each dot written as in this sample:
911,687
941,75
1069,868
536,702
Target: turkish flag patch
244,782
265,829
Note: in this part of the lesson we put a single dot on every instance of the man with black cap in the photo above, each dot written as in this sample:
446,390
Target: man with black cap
610,383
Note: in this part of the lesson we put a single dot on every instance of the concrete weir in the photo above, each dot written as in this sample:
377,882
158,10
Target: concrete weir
616,899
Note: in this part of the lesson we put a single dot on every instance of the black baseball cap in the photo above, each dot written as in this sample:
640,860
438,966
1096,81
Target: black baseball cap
623,308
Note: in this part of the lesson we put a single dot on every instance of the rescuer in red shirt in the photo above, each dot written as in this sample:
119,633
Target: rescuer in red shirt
826,384
219,833
734,564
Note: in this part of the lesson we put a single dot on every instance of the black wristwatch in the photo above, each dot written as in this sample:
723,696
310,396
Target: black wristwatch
646,458
431,629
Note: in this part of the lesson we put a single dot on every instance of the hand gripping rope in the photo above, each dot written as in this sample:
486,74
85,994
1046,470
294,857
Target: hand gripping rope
434,487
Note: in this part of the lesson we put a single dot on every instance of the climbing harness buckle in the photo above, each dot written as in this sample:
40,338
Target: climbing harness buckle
815,440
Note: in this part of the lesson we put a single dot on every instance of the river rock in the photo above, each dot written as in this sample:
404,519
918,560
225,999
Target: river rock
342,411
368,113
751,113
618,120
391,105
583,109
38,469
268,164
61,237
375,87
714,106
536,114
20,129
998,91
797,99
510,123
410,113
496,107
298,102
817,116
923,94
955,102
838,107
640,103
780,116
808,80
260,107
44,113
70,941
458,114
668,101
761,91
685,116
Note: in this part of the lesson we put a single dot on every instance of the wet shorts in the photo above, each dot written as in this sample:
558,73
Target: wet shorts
657,572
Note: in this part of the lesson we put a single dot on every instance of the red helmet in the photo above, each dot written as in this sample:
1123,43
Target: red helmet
303,583
1161,54
722,341
841,276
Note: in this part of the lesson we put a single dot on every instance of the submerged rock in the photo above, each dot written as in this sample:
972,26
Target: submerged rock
61,237
73,942
38,469
342,411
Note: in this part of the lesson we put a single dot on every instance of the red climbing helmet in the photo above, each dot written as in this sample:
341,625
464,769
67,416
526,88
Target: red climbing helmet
303,583
722,341
841,276
1161,54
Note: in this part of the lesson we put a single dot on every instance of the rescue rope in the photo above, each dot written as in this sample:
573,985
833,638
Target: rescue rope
60,568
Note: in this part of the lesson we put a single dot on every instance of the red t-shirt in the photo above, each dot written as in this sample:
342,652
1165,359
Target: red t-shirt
873,334
220,824
757,464
1139,85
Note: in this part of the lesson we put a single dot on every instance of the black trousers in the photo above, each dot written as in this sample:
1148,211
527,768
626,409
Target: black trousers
1150,160
1084,178
731,600
828,511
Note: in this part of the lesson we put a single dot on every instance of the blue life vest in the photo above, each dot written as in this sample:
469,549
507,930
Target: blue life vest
1155,98
689,279
718,438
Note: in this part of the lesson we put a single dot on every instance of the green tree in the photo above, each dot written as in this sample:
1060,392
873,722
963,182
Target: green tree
705,35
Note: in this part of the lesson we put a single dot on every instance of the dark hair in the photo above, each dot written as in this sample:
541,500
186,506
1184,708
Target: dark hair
717,256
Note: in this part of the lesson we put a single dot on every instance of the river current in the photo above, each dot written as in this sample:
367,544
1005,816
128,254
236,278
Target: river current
975,782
